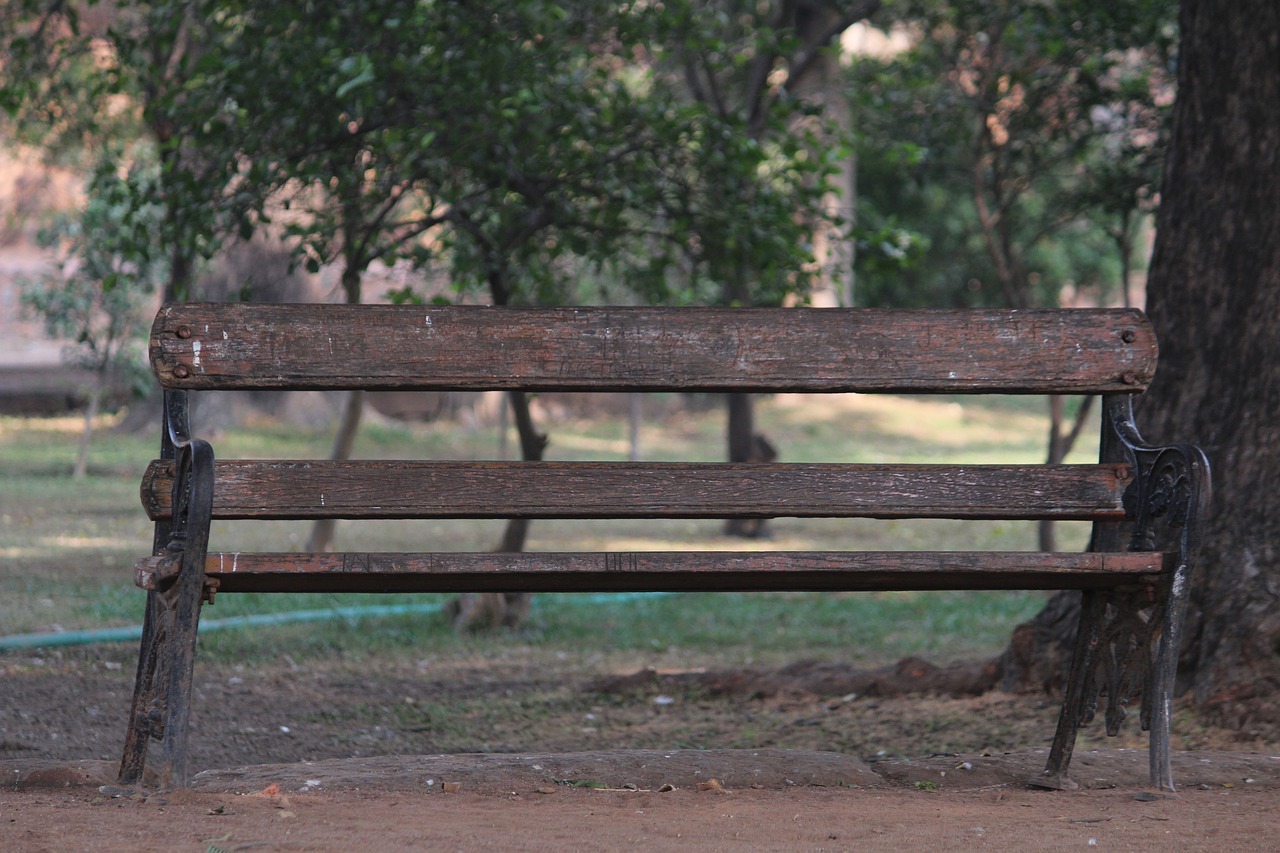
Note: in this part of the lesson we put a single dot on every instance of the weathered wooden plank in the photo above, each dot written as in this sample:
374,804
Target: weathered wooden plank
240,346
416,489
714,571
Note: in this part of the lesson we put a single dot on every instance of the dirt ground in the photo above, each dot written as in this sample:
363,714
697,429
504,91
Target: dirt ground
518,753
503,802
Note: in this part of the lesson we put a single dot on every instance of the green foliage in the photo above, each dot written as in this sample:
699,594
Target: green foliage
528,148
1019,141
99,295
142,78
520,147
49,85
761,159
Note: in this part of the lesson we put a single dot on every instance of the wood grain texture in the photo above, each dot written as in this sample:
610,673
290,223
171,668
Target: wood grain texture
243,347
414,489
715,571
382,347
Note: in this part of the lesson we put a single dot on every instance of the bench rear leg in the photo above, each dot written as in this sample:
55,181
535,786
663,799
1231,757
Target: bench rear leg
144,715
1080,700
1127,647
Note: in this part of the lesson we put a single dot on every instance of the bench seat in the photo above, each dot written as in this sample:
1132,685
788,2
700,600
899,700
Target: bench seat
675,571
368,489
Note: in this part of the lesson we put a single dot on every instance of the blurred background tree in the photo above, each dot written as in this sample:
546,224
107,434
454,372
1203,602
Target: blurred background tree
697,151
99,295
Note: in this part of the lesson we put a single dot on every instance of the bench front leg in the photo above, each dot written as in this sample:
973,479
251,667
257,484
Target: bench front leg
1173,494
166,661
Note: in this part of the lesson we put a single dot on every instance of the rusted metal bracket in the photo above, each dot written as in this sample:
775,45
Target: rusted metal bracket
152,573
158,572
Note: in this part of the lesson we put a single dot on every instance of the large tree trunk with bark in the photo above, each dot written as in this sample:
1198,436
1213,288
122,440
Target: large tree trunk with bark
1214,296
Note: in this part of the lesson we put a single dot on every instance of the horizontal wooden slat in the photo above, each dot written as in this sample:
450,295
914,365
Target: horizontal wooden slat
382,347
679,571
415,489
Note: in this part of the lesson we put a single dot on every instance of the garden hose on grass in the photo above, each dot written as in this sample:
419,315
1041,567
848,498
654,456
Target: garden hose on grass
134,632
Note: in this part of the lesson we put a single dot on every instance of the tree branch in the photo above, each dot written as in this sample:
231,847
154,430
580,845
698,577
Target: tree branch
804,60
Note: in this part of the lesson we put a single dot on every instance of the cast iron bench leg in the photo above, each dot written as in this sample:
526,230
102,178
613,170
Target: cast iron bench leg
141,720
1164,673
162,691
1080,700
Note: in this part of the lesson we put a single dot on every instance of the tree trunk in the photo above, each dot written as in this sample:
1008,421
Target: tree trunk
178,286
1124,248
635,419
473,611
1214,294
822,85
532,445
740,435
91,409
1055,456
1060,444
344,440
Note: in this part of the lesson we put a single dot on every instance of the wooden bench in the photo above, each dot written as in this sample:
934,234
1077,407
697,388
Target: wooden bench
1144,501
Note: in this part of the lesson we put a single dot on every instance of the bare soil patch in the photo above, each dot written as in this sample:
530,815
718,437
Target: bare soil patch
385,804
515,752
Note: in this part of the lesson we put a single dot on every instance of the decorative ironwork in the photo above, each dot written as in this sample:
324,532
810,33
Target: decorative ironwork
1129,638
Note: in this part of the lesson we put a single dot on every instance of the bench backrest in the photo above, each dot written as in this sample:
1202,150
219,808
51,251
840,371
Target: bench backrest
241,346
254,346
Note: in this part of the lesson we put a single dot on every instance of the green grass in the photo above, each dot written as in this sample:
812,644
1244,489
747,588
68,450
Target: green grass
67,548
738,628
